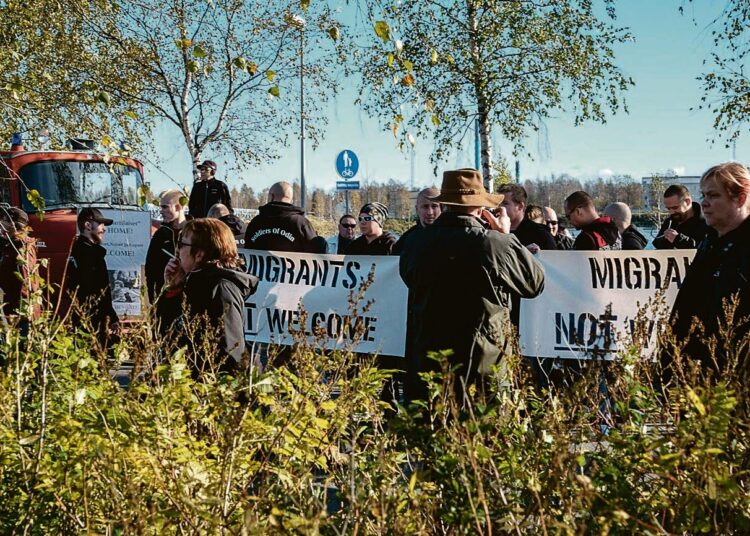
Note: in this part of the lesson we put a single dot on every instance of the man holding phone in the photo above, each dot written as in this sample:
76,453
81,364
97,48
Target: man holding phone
463,271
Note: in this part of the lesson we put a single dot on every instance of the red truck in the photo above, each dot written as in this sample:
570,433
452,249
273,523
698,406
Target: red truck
66,180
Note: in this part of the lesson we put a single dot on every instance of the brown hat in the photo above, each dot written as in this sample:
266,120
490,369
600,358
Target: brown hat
465,187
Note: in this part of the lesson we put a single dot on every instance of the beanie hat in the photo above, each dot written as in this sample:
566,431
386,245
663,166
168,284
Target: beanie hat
378,211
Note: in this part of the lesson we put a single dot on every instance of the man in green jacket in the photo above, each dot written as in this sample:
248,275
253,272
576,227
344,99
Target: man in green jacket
462,272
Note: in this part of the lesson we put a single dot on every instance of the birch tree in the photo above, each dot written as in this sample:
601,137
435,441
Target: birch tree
435,67
225,73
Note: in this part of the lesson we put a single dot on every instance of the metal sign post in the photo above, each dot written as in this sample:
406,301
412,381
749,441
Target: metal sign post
347,165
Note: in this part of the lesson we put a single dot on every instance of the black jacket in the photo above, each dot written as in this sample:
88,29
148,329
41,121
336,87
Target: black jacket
280,227
87,281
399,246
206,194
382,245
529,232
600,234
720,268
463,277
238,228
218,295
691,232
165,238
633,239
563,241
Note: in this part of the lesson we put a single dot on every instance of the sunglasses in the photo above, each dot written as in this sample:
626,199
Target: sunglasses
366,217
348,225
551,223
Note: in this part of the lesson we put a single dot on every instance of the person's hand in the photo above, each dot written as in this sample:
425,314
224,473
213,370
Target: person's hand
499,221
533,248
174,275
670,235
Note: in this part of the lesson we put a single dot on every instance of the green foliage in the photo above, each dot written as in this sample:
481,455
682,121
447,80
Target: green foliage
437,66
264,453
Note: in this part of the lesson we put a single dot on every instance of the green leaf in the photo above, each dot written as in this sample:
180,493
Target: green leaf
408,65
274,91
390,59
383,31
333,31
270,75
103,97
199,52
193,66
434,56
183,43
304,4
695,399
436,120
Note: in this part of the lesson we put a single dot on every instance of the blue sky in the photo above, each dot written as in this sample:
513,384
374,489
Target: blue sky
660,132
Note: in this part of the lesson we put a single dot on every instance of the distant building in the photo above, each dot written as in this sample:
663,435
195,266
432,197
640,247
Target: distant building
653,198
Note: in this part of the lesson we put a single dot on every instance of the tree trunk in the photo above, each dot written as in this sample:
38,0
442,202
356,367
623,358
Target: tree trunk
483,113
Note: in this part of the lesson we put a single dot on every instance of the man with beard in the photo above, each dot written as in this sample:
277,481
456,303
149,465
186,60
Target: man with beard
427,212
336,245
87,279
685,227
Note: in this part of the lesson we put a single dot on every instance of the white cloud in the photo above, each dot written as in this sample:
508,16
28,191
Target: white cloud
605,173
679,170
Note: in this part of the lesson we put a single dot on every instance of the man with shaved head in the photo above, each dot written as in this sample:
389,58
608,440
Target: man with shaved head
279,225
632,239
427,212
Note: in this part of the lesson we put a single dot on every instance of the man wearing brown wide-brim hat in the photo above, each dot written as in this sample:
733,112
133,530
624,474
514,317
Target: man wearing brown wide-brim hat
463,271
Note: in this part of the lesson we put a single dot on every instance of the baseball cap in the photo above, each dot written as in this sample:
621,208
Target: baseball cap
93,214
208,164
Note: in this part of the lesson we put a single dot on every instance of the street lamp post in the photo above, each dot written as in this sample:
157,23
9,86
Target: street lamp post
299,23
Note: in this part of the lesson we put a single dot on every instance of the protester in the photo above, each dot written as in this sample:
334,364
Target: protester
347,230
279,225
208,191
203,284
685,227
236,225
18,266
720,272
427,212
631,237
462,276
87,279
535,214
164,241
373,240
532,235
562,238
597,233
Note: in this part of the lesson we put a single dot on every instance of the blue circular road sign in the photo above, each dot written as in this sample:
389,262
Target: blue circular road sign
347,164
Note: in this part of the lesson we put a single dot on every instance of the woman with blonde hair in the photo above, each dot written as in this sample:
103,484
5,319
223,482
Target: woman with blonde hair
720,272
204,285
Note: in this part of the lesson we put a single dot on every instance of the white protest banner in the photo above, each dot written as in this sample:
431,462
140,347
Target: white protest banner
322,284
591,300
126,241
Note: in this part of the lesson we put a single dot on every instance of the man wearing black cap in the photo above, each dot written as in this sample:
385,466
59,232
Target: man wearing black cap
87,280
208,191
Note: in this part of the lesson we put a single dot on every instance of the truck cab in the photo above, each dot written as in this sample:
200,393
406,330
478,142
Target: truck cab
66,180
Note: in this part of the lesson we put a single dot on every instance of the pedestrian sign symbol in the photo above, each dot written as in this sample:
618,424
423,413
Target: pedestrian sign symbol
347,164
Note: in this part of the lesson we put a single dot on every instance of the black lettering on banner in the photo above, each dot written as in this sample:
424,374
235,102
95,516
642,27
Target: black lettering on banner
337,265
320,272
249,317
633,272
582,332
303,275
351,274
655,272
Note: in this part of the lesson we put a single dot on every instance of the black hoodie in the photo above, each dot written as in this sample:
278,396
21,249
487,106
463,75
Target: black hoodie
280,227
382,245
219,294
633,239
600,234
164,239
690,232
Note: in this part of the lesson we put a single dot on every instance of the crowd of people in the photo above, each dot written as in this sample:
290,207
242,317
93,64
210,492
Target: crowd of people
467,262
